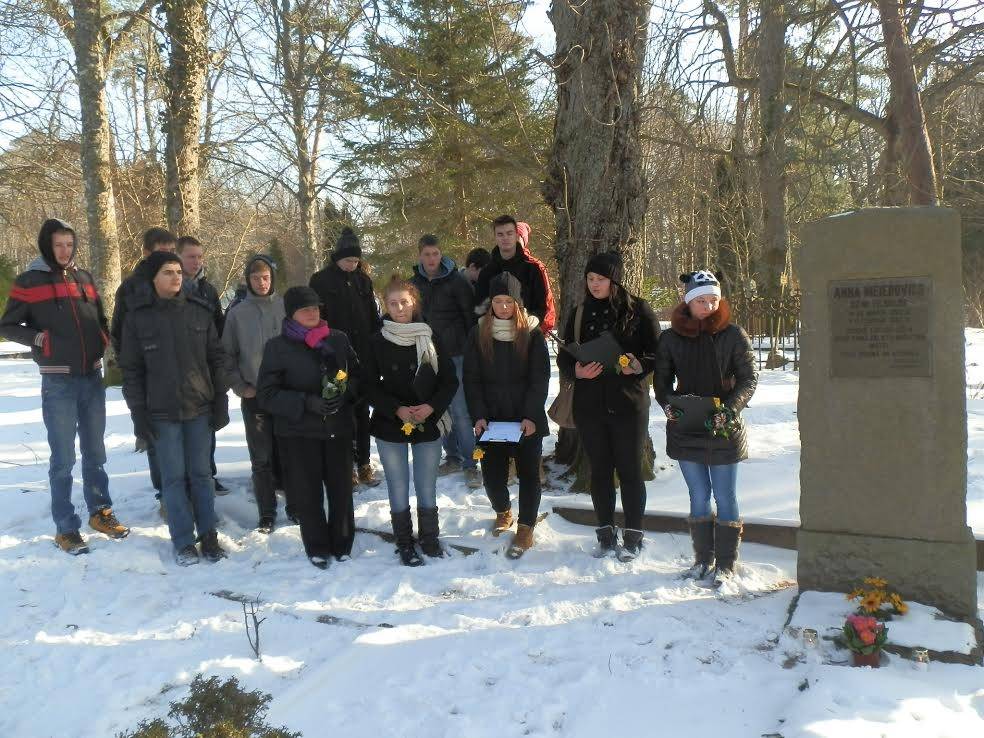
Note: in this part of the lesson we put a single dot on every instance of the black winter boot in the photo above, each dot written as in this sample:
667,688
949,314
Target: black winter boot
403,530
631,544
430,529
727,536
607,540
702,536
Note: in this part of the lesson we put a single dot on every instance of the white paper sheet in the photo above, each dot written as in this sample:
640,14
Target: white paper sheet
501,432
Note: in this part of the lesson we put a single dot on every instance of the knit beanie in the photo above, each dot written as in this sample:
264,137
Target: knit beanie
606,264
703,282
299,297
347,245
46,235
154,262
506,284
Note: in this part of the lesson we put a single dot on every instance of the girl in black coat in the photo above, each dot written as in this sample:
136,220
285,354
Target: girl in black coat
313,424
349,305
506,376
707,356
611,404
410,381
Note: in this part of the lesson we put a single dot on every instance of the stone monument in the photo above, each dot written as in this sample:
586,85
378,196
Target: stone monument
882,407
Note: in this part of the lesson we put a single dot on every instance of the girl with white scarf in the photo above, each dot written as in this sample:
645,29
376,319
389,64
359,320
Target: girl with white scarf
506,377
410,385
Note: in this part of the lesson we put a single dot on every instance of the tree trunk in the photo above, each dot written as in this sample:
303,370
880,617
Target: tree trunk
187,29
100,203
594,180
905,108
772,149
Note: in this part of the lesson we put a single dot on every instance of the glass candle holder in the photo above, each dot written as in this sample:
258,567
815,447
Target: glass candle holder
920,659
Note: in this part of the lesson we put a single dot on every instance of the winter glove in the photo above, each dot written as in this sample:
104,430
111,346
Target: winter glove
142,427
334,404
319,405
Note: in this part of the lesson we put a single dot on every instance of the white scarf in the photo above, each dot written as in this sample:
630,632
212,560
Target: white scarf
420,336
505,330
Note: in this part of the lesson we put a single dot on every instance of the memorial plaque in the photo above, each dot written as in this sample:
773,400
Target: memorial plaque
880,327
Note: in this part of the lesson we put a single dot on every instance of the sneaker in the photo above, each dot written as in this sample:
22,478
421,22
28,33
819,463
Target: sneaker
105,522
503,522
265,525
449,466
367,476
211,550
220,489
71,543
319,561
473,478
187,556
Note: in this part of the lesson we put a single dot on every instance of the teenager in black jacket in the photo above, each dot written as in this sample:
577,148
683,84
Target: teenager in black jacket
410,381
308,381
174,385
611,404
55,309
349,305
507,375
708,356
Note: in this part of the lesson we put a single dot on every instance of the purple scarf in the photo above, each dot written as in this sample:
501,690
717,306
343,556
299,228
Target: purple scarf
316,338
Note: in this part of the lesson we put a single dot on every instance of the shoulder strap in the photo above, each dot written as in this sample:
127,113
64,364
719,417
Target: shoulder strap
578,314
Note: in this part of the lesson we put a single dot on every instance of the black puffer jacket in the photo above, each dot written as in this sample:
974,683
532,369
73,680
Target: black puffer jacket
448,304
291,370
172,361
612,392
348,304
389,371
199,285
505,388
712,358
522,266
133,292
58,313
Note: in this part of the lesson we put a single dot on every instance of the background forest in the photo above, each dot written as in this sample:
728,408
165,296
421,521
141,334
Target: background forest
685,134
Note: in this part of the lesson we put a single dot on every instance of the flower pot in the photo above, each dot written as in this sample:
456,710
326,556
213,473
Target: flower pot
872,659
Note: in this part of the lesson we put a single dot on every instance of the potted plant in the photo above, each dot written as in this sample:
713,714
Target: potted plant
865,636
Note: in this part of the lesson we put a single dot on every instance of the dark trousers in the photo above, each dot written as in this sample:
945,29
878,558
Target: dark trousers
495,473
312,467
211,457
616,443
259,440
360,446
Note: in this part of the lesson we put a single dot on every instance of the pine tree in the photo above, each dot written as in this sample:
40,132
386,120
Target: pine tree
452,136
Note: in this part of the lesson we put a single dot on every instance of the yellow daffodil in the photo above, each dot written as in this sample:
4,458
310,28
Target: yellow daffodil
407,428
717,403
877,582
478,453
623,361
341,376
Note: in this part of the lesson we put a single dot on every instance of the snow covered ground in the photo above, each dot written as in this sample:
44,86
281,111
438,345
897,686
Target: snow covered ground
558,643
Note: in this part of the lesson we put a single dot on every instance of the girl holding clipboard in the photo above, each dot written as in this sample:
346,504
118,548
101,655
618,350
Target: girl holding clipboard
506,378
611,403
708,357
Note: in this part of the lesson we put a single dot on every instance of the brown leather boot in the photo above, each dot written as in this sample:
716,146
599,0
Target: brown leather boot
503,522
367,476
105,522
522,541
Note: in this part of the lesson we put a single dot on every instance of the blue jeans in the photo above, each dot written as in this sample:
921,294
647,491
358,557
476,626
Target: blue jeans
396,467
460,442
186,478
704,480
71,403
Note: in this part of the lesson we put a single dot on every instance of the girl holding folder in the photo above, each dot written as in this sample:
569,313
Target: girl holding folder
611,403
506,377
709,357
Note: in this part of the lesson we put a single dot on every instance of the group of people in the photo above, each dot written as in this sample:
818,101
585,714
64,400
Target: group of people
321,369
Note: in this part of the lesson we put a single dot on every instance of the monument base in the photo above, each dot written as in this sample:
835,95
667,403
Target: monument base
938,573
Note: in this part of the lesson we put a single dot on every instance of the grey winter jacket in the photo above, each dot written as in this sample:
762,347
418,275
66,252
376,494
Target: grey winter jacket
248,326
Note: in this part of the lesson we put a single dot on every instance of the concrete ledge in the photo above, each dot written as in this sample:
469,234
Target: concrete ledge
769,534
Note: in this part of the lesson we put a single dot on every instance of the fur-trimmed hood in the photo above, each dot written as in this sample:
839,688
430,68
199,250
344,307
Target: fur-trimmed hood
685,324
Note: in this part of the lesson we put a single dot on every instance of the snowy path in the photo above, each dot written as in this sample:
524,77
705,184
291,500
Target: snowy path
558,643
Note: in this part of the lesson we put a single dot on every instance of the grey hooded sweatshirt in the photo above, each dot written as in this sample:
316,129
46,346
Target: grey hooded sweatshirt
249,324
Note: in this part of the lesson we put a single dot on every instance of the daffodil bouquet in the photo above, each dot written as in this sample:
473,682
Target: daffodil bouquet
408,428
875,600
332,388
